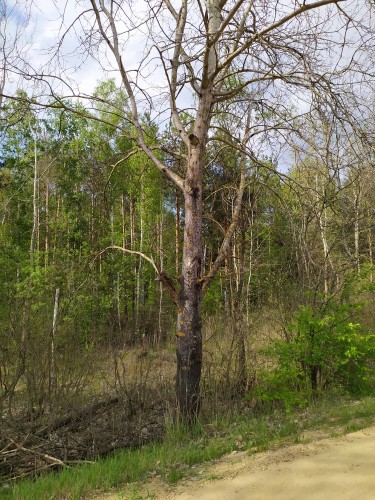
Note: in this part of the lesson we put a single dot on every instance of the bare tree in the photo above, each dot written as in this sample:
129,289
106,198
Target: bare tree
259,63
14,22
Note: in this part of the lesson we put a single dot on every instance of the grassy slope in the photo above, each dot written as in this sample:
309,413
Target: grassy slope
173,458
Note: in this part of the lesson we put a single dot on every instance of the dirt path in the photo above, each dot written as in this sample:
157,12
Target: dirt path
333,469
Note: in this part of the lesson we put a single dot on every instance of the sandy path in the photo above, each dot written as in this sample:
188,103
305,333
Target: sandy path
328,469
342,468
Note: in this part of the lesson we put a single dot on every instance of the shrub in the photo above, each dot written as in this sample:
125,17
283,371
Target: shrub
321,348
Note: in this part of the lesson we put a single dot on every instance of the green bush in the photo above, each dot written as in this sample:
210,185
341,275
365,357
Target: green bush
320,348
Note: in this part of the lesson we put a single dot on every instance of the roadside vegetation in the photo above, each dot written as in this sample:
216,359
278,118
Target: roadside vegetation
121,429
88,361
174,458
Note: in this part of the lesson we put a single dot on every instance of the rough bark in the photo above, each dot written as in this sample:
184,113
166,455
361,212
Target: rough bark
189,334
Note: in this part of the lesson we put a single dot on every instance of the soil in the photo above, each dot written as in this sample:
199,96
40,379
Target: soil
335,469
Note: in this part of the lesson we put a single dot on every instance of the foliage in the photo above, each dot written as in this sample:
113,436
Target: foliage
93,191
321,348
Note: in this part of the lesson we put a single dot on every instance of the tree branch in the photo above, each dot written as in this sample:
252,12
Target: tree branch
114,48
236,213
304,8
162,276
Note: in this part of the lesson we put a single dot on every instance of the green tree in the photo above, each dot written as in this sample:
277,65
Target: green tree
271,52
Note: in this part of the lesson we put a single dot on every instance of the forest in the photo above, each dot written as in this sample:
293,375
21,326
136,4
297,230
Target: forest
171,250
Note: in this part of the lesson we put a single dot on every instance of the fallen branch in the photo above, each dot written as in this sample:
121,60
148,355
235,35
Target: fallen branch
53,460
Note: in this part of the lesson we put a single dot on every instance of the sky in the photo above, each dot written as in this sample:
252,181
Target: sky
44,22
48,23
39,27
77,69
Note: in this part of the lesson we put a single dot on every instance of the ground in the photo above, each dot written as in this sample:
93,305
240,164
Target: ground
335,469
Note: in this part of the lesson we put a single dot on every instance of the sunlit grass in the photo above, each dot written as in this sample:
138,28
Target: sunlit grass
182,448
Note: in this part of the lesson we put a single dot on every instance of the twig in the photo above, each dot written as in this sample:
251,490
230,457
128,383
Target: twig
55,461
29,472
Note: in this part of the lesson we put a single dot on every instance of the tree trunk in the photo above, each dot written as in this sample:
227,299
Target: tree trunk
251,251
123,220
34,231
159,334
124,277
132,247
177,233
139,299
369,239
189,351
314,372
356,230
189,334
46,222
52,380
239,314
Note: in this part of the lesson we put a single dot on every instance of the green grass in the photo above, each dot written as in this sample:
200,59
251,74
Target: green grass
183,448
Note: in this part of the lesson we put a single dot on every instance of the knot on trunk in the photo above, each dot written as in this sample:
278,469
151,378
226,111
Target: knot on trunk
194,141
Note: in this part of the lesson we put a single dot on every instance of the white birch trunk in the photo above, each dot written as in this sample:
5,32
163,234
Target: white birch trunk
53,341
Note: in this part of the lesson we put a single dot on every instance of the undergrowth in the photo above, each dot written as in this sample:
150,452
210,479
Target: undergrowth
183,448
